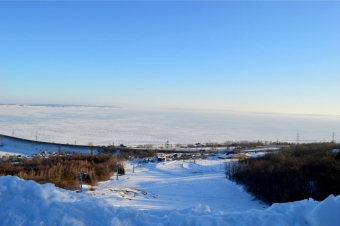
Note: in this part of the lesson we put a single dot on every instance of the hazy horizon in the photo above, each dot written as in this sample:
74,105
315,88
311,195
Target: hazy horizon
138,107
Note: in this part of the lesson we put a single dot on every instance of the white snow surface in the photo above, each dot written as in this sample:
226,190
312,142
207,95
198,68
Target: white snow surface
177,185
130,126
25,147
166,193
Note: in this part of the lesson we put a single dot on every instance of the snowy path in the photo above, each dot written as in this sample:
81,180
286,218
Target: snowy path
177,185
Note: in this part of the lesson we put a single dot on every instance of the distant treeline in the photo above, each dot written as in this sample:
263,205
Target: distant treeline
63,170
148,150
295,173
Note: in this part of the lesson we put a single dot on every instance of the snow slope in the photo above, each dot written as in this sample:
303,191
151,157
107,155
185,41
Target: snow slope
177,185
170,193
27,147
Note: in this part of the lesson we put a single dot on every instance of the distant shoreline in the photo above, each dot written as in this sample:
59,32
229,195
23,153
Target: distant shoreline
56,106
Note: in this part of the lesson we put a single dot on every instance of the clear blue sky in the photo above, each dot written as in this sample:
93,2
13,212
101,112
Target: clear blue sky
246,56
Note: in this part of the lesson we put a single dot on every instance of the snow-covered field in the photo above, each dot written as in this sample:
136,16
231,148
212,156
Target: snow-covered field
166,193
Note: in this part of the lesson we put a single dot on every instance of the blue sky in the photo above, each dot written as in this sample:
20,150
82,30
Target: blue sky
281,57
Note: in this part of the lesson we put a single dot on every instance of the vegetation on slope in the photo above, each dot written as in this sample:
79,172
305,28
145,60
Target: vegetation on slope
297,172
63,170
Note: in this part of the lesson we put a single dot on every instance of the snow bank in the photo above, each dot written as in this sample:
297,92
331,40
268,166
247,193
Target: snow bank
325,213
28,203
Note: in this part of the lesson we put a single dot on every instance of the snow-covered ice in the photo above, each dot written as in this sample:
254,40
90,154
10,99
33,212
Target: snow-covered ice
129,126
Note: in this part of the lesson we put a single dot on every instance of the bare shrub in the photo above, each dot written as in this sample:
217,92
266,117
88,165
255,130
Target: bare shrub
63,170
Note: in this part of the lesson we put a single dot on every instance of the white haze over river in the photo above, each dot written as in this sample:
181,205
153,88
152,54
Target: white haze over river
105,125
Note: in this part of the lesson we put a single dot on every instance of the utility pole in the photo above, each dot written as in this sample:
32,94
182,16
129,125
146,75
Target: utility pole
333,139
2,140
167,144
117,172
81,174
297,138
91,147
195,154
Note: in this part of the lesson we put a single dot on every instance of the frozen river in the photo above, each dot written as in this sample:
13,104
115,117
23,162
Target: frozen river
104,126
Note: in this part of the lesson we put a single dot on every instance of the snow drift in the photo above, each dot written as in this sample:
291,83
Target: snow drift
28,203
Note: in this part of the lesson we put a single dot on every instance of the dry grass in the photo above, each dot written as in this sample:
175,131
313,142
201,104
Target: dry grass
92,189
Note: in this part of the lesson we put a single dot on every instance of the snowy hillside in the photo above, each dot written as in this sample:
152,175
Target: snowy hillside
170,193
27,147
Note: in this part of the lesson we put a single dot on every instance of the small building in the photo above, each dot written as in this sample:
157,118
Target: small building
239,156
